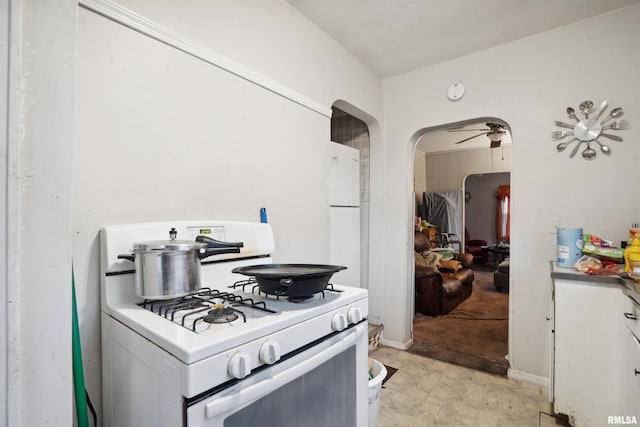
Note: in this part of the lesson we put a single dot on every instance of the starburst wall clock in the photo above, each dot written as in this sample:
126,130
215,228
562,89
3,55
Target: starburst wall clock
589,128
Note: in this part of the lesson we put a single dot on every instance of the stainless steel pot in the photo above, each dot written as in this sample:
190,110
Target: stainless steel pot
171,268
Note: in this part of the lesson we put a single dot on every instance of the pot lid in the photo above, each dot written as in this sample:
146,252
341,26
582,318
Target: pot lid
169,245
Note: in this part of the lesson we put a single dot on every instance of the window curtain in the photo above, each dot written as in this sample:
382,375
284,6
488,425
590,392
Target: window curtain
503,217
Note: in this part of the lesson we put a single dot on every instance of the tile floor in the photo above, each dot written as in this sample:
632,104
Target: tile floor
428,392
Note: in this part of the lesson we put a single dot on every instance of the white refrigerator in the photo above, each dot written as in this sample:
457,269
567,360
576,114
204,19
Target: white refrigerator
344,208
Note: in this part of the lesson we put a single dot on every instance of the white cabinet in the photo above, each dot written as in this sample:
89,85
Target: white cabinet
589,332
631,359
631,376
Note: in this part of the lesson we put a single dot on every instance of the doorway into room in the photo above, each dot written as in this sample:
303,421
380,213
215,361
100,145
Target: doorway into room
474,333
483,214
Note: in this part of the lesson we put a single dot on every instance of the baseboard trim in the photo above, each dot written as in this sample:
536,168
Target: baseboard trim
396,344
529,378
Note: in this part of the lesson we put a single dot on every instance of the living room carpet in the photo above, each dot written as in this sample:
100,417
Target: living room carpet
474,334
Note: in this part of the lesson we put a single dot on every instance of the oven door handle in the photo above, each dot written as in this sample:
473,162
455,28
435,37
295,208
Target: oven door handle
266,386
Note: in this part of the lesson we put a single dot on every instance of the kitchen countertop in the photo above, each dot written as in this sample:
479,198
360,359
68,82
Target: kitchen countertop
572,274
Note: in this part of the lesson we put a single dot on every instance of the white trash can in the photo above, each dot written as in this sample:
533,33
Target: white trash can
378,374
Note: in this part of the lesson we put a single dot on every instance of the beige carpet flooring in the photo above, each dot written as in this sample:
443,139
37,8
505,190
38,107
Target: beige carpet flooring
474,334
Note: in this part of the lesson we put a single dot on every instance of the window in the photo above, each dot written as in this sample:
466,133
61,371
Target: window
504,213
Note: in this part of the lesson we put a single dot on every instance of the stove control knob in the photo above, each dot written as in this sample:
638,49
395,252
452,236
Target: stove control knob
354,315
339,322
270,352
240,365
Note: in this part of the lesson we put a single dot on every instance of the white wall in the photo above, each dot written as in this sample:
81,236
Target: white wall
272,38
532,84
161,134
447,171
4,201
37,61
419,172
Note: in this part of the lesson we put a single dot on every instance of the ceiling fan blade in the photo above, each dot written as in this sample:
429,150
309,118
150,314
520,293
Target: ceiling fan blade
471,137
495,144
464,130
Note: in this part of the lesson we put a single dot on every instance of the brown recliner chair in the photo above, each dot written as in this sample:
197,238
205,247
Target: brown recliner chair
440,290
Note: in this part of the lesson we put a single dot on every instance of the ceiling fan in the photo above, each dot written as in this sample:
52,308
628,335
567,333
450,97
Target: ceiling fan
495,132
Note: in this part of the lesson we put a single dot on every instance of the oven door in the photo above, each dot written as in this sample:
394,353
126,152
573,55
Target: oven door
324,385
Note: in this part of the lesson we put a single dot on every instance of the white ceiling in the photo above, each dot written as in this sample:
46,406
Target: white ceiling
392,37
395,36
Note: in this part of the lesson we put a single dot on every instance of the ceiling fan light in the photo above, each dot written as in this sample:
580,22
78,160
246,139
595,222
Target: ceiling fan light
497,136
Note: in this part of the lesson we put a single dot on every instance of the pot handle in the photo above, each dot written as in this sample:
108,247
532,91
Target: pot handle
213,243
286,282
284,286
131,257
216,251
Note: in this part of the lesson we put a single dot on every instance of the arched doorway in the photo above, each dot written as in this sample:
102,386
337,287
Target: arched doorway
441,165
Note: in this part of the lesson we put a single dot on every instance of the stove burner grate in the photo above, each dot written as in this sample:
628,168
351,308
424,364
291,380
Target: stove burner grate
203,301
255,289
221,314
297,300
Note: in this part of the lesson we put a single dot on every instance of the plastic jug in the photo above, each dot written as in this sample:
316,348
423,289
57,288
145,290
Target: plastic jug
633,248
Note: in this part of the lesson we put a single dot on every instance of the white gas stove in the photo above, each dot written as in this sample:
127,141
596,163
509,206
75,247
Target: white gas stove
219,355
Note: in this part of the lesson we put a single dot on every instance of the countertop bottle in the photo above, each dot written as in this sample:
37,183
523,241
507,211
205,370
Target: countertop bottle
634,266
632,248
